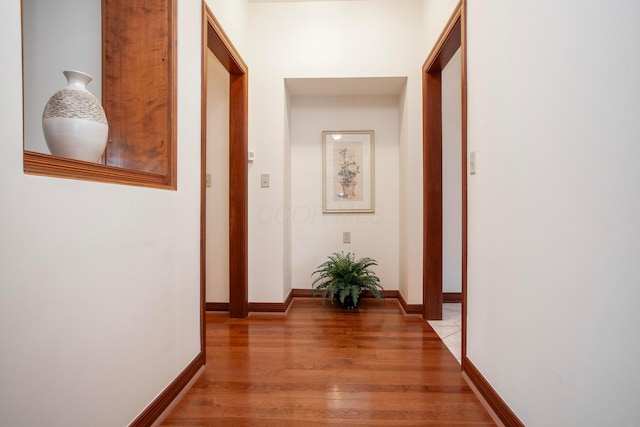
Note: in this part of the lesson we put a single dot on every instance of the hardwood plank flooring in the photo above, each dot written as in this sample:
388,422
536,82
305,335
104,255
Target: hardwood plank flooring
318,366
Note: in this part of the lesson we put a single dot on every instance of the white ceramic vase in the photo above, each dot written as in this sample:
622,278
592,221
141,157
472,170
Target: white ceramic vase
74,122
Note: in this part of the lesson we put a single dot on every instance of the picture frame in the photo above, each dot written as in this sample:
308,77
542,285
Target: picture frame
348,172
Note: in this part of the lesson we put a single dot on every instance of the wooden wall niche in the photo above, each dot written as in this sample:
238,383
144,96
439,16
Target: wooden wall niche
139,98
137,88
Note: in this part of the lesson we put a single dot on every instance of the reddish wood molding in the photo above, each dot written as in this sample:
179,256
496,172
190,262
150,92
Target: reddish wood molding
238,197
389,294
268,307
432,169
308,293
217,306
448,42
446,46
162,402
452,37
463,76
452,297
409,308
216,40
265,307
302,293
490,395
62,167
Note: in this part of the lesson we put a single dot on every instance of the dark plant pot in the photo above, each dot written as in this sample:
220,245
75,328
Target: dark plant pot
348,303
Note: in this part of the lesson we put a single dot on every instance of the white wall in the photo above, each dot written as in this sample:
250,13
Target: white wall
217,227
59,35
232,16
452,176
316,235
553,210
435,14
99,295
332,39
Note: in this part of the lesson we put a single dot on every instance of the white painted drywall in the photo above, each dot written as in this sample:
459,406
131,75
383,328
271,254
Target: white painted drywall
59,35
316,40
99,294
100,287
217,229
435,15
315,235
452,176
553,280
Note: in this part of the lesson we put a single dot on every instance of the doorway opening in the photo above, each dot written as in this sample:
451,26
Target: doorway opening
450,41
216,42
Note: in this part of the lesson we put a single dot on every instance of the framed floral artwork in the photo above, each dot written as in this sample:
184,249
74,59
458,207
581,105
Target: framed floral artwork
348,172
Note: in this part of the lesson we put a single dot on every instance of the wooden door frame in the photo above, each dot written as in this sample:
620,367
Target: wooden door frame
452,38
217,41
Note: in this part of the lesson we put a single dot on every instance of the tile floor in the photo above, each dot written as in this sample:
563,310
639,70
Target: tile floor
449,329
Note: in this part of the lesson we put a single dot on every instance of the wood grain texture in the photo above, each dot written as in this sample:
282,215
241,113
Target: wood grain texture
432,210
238,197
62,167
318,365
139,84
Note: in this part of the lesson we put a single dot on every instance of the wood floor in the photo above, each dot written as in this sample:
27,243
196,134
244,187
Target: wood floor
318,366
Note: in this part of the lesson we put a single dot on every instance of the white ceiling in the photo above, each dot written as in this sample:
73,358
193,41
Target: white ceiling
345,86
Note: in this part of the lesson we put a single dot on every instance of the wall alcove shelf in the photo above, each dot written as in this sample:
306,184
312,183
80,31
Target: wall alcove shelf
139,98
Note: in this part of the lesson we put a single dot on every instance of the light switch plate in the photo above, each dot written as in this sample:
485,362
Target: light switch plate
472,163
264,180
208,180
346,237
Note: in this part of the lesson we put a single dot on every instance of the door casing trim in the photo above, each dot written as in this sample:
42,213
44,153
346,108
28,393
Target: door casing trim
217,41
452,38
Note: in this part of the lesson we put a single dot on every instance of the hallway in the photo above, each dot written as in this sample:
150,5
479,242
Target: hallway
327,366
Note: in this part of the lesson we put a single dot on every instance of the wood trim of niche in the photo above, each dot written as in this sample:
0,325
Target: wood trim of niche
62,167
139,88
139,98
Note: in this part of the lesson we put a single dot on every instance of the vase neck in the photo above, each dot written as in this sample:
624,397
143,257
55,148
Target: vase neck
77,79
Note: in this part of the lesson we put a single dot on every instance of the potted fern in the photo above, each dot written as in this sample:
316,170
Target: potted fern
346,278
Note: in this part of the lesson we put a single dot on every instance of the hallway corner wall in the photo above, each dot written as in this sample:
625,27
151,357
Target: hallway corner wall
552,255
